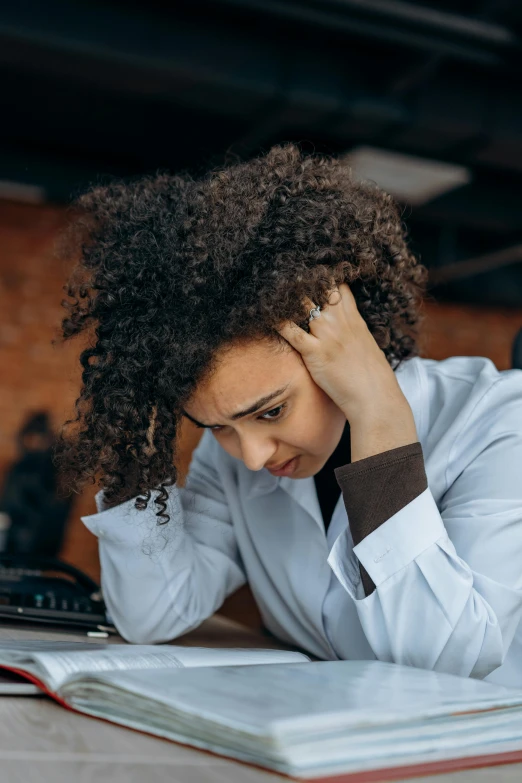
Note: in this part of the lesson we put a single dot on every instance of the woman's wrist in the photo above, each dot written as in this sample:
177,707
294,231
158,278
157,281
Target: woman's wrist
383,427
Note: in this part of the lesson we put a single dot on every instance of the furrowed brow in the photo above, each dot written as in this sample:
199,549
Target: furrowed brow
259,404
247,411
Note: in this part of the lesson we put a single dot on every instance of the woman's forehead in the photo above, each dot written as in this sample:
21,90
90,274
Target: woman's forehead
243,374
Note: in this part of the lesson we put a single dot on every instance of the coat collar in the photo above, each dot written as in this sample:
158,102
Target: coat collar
301,490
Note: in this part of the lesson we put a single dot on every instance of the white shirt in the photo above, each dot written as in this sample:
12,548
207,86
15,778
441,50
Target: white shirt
447,567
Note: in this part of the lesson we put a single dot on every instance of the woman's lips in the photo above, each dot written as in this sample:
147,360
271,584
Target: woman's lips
287,469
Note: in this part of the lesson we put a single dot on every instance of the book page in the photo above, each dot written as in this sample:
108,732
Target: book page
54,662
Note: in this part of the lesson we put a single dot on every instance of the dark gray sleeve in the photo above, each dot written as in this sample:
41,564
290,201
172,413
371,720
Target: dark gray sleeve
376,488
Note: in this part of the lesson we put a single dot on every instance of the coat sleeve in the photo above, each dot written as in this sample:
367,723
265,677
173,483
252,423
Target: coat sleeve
161,581
448,581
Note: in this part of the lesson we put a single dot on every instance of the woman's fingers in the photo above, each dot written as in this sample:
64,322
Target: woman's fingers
306,342
348,302
297,337
341,294
309,305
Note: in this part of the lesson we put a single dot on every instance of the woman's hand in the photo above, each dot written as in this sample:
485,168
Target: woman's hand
343,358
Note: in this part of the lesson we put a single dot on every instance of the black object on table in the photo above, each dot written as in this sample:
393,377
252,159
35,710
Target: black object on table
46,590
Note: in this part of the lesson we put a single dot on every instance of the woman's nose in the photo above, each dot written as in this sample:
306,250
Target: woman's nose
256,452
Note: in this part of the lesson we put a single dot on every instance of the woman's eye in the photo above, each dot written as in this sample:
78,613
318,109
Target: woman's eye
273,414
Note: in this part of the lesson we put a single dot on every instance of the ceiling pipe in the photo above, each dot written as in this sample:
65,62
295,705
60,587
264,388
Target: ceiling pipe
476,265
470,41
434,19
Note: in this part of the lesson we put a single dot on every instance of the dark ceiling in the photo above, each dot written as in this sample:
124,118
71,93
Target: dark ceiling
92,90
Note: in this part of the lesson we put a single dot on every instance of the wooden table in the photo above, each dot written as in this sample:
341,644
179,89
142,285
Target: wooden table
41,742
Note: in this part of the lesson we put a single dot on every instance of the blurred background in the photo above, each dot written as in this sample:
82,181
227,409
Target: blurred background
424,97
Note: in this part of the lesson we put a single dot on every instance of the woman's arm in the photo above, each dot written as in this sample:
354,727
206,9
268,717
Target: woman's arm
161,581
448,582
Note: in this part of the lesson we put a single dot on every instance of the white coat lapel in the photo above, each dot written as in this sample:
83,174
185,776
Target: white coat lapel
287,525
305,495
302,491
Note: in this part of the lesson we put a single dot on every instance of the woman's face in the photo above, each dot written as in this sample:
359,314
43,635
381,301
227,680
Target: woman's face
264,408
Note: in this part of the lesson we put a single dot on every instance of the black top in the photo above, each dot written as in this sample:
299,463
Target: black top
326,485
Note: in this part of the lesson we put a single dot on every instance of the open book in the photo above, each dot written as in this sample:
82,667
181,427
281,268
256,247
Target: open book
282,711
52,665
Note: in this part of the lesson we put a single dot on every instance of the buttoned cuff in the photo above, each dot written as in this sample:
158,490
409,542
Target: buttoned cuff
397,542
390,548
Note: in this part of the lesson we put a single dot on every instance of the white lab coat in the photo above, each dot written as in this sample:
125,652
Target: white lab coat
447,567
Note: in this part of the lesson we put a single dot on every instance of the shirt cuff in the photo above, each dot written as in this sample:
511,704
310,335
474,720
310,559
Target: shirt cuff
396,544
389,549
127,525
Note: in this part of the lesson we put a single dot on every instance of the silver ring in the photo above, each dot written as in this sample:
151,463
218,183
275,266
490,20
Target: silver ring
315,312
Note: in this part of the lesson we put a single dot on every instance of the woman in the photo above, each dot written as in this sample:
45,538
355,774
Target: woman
275,303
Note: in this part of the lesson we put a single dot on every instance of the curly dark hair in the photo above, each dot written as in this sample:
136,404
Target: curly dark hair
173,268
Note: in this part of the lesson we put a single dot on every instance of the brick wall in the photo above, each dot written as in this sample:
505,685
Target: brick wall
457,330
35,374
